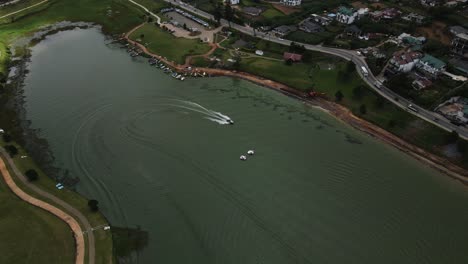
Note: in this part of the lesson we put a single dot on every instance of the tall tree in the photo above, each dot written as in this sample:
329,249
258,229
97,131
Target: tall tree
228,13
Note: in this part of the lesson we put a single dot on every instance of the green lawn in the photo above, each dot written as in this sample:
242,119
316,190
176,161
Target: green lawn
271,13
124,16
30,234
165,44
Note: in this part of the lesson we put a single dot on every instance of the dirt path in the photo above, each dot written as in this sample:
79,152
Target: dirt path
71,221
336,110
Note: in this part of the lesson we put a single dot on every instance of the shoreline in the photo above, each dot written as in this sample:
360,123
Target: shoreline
336,110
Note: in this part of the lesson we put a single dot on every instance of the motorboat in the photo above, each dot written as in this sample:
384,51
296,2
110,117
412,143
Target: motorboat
250,152
243,157
182,78
230,121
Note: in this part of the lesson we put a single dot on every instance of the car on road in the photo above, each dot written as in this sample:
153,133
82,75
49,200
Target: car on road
412,108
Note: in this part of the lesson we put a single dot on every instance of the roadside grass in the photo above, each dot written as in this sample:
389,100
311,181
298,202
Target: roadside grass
20,5
103,238
165,44
123,17
32,233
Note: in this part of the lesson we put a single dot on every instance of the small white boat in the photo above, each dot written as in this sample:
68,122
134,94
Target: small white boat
230,121
250,152
243,157
182,78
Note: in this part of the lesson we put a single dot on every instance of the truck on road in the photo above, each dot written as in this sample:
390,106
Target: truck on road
412,108
364,71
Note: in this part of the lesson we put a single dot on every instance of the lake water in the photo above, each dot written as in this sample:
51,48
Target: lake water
152,151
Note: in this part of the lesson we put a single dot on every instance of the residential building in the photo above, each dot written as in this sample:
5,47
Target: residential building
413,17
322,20
431,65
407,40
346,15
252,11
455,109
460,64
292,56
352,30
404,61
376,15
390,13
259,52
451,4
460,44
291,2
284,30
233,2
421,83
310,26
455,30
431,3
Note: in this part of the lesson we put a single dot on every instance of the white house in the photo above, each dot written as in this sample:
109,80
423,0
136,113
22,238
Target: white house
431,65
346,15
291,2
233,2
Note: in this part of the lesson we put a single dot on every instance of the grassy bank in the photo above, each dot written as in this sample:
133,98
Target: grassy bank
162,42
40,231
30,234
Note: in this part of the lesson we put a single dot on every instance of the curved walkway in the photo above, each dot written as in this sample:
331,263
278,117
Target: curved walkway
71,221
158,19
21,10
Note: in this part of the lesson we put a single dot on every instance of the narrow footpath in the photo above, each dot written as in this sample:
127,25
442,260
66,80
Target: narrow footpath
71,221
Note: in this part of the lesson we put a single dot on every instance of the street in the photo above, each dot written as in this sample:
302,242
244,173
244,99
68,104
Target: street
349,55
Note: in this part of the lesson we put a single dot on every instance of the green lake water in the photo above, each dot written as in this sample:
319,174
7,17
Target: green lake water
151,150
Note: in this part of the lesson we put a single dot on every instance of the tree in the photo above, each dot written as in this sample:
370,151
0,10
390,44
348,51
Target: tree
358,91
363,109
93,205
289,62
12,150
31,175
339,96
218,13
452,137
391,123
350,67
185,26
142,36
6,137
228,13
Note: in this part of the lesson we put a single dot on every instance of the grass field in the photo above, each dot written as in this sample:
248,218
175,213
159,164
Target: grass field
165,44
30,234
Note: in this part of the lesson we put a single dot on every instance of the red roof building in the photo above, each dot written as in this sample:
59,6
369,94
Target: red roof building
292,56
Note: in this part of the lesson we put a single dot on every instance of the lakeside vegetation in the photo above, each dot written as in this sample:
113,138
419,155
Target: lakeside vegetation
159,41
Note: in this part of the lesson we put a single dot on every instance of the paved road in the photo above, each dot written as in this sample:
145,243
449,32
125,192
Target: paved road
21,10
74,225
349,55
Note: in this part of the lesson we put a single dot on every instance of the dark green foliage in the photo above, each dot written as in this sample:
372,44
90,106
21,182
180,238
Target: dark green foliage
93,205
12,150
31,175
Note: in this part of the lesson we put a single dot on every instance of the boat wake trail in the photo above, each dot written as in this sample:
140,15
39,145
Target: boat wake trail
211,115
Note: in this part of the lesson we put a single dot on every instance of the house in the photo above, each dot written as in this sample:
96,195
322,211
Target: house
291,2
321,20
352,30
252,11
310,26
455,30
455,109
460,44
431,3
259,52
404,61
413,17
284,30
346,15
362,12
376,15
460,64
407,40
421,83
451,4
233,2
431,65
292,57
390,13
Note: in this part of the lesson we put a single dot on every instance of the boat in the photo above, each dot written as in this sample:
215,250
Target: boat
174,75
182,78
178,76
230,121
243,157
250,152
